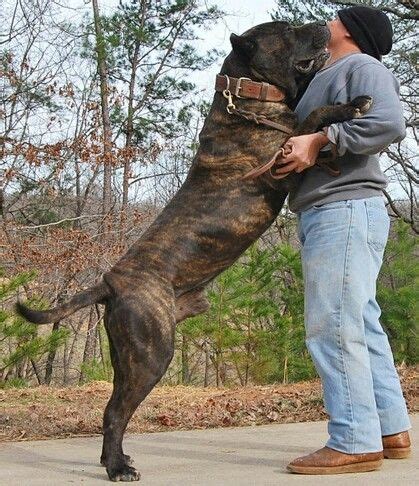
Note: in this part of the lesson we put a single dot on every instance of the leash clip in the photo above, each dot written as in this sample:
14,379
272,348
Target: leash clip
230,105
229,97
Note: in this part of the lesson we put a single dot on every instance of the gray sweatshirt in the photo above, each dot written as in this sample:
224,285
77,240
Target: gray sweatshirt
358,141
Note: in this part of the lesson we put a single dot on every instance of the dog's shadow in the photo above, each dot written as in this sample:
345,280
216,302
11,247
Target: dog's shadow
229,452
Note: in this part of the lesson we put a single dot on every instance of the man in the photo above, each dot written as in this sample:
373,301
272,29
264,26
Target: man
343,228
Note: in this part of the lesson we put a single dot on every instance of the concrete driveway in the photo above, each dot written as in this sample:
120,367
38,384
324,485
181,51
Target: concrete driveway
247,456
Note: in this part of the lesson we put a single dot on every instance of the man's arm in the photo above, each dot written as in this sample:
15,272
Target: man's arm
382,125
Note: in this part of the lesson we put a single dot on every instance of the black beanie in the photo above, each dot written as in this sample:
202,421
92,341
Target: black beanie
370,28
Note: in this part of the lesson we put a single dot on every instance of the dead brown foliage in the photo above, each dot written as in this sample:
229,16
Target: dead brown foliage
45,412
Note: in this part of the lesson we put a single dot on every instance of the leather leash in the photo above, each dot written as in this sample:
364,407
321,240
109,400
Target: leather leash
261,91
246,88
257,171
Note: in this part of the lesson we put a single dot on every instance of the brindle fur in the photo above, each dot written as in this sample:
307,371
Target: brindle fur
208,224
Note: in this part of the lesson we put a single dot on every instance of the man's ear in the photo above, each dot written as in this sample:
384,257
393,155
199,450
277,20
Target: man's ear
243,46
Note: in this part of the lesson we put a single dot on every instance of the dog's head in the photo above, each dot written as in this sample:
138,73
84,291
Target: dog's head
280,54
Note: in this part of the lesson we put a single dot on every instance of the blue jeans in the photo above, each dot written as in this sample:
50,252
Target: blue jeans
343,245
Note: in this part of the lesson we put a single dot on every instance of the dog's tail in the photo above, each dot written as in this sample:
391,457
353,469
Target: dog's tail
90,296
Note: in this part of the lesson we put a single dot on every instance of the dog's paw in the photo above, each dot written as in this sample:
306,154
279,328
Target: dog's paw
123,473
361,104
127,459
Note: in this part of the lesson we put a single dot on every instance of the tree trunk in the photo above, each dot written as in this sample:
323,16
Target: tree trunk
130,124
1,201
248,349
37,372
207,364
185,360
285,375
51,358
89,347
128,140
65,364
70,352
101,343
107,131
77,223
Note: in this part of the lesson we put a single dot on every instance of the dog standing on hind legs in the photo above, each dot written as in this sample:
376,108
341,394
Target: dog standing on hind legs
210,222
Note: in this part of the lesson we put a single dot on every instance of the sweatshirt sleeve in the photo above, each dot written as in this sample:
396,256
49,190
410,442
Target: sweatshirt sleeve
384,122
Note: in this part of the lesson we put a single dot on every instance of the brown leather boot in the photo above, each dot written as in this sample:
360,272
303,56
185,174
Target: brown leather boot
330,461
396,446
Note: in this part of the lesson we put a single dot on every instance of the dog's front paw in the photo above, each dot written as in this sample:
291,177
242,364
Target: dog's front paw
127,459
361,105
123,473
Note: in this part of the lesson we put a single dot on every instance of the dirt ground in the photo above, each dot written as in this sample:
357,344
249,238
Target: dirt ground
45,412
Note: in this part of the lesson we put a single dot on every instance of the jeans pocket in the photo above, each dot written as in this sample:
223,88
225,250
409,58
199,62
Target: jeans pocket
378,226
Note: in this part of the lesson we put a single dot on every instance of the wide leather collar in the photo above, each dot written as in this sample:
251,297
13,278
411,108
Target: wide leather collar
246,88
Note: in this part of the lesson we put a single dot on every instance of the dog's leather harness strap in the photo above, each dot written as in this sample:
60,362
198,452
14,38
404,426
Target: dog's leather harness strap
246,88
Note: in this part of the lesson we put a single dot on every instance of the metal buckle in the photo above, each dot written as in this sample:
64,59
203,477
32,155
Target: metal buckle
228,82
238,86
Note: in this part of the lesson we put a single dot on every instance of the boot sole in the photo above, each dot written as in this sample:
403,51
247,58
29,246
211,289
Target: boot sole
397,453
347,468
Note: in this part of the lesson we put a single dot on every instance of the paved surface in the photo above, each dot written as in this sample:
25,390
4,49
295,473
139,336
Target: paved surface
248,456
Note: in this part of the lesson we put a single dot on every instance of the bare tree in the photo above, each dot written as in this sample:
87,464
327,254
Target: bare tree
104,94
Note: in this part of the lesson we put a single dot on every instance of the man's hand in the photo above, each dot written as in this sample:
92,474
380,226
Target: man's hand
301,152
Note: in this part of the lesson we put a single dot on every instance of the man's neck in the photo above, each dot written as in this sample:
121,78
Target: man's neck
339,52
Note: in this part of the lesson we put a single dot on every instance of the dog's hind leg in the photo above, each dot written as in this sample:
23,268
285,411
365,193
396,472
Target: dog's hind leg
141,335
112,352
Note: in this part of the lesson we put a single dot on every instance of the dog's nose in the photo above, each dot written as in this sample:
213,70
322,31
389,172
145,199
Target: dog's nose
322,23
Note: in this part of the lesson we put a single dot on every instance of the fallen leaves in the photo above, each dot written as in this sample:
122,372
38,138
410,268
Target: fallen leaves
45,412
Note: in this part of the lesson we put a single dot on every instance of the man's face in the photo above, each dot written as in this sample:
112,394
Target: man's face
338,32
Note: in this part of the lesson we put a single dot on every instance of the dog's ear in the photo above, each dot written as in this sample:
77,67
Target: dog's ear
244,46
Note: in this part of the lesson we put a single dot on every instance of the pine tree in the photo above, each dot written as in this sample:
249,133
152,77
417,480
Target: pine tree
20,344
255,324
398,293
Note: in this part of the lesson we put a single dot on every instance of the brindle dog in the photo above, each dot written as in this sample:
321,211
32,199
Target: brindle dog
207,225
